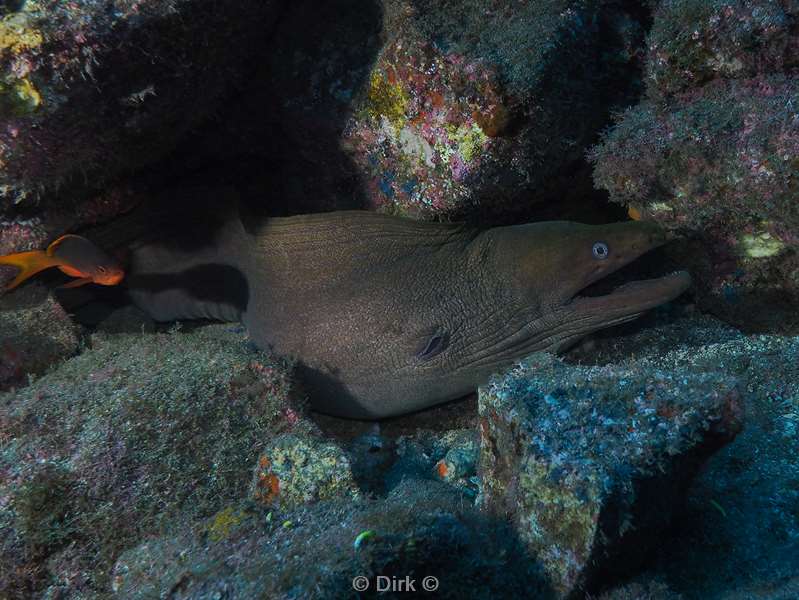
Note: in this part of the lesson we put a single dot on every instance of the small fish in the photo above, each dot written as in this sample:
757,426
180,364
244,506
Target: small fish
73,255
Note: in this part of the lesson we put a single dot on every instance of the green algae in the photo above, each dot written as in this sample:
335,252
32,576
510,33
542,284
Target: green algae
386,99
19,98
761,245
470,140
225,522
16,35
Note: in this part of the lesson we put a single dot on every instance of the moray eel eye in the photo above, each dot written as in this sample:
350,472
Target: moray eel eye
600,250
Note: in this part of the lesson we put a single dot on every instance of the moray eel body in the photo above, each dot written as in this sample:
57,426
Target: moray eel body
388,316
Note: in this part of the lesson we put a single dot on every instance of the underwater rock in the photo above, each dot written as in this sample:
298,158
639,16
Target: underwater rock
712,151
694,41
421,530
427,109
471,105
136,433
740,521
35,333
293,470
460,461
91,90
590,462
448,456
722,166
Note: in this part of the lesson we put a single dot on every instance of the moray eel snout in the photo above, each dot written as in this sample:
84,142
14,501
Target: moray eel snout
616,246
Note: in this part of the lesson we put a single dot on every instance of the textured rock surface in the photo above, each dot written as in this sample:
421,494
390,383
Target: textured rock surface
119,442
293,470
35,334
741,522
89,90
472,104
590,462
421,529
713,150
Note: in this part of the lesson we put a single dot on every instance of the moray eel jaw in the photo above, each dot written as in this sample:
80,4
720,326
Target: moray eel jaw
627,301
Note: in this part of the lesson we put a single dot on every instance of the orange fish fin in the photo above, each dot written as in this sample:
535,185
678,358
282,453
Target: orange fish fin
70,270
55,243
28,263
76,283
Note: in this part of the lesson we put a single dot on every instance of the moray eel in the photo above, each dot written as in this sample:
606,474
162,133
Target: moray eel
388,316
73,255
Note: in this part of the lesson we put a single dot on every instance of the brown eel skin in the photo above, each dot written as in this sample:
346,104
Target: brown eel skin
387,315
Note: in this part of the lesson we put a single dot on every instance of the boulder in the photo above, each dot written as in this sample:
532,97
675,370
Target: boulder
420,535
738,533
589,463
471,107
712,151
139,431
35,334
89,91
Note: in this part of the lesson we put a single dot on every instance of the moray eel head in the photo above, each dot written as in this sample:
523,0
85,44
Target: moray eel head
559,260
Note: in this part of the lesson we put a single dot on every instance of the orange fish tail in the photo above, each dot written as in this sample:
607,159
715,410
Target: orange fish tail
28,263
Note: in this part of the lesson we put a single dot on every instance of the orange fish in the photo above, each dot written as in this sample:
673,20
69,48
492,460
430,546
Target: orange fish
74,255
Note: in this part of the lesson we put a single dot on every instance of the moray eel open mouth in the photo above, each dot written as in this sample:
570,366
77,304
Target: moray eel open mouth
635,297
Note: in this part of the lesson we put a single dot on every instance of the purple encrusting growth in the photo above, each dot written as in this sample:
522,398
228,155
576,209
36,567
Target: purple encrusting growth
713,150
90,90
590,462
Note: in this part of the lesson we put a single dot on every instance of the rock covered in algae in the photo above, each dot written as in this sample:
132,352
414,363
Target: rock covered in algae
740,521
293,470
90,90
35,334
712,150
468,103
134,434
590,462
694,41
421,530
449,456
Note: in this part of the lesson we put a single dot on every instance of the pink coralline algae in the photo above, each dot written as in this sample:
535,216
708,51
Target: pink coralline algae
473,107
426,122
